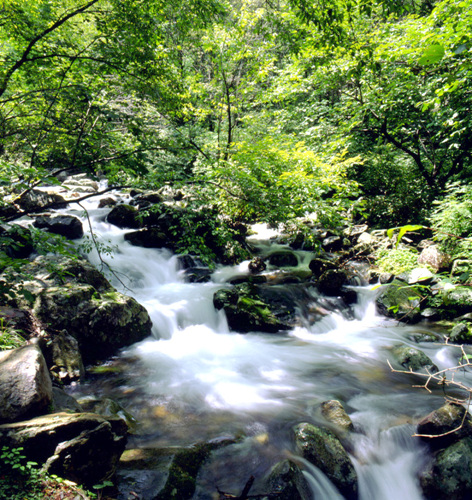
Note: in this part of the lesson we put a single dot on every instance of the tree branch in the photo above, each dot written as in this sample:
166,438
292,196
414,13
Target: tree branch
24,58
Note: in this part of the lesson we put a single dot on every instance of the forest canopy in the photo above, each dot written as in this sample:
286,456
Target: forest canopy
266,110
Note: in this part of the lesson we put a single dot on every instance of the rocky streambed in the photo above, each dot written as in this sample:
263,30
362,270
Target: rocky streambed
300,406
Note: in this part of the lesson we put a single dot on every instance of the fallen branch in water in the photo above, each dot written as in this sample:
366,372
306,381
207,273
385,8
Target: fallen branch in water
441,379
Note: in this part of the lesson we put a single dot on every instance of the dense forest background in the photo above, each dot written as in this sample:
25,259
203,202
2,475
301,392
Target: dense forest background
263,110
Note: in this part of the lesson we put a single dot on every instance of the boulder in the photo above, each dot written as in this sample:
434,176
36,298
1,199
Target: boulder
62,402
101,323
16,242
83,447
458,300
287,482
72,295
411,358
263,307
66,363
324,450
37,200
318,266
188,261
65,225
148,238
460,334
25,384
450,420
449,473
257,265
332,281
399,301
435,258
283,258
124,216
332,243
197,275
107,202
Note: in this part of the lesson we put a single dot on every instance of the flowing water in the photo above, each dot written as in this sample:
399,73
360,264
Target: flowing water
194,380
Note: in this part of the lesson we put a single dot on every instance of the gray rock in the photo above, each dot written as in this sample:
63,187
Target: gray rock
66,358
332,281
25,384
62,402
433,256
64,225
124,216
83,447
324,450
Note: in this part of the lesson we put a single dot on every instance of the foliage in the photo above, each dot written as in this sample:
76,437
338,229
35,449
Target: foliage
19,479
452,220
396,261
10,338
277,181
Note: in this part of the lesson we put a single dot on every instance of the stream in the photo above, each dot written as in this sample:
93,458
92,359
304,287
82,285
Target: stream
195,381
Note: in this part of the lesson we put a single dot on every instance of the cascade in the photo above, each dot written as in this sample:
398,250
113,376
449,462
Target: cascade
194,380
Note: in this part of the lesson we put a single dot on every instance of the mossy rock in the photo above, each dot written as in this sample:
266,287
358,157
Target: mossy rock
324,450
411,358
400,301
449,474
124,216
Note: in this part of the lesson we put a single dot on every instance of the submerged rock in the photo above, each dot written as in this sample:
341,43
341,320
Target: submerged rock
324,450
286,482
411,358
334,412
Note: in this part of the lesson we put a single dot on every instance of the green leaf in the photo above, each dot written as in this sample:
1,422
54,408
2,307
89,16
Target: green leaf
432,55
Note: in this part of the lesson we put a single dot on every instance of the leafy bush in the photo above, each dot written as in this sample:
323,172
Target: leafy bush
276,180
397,261
452,220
